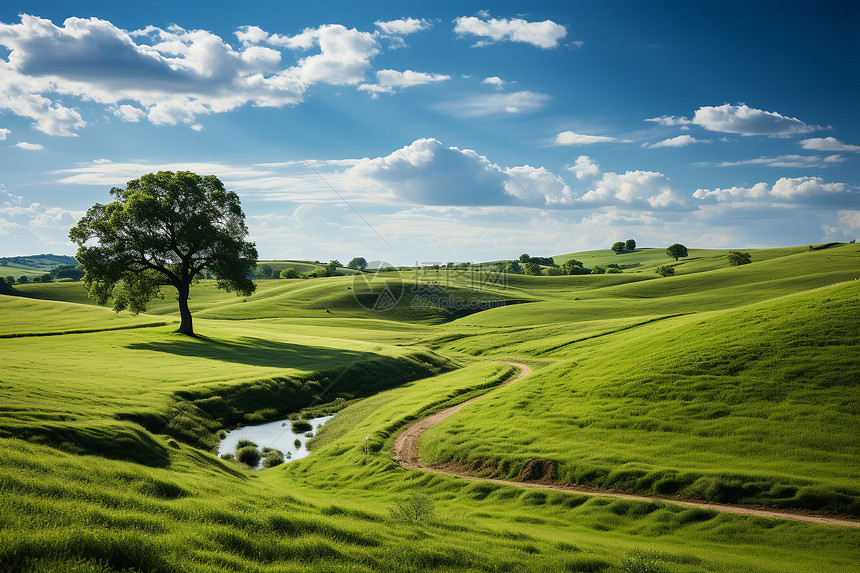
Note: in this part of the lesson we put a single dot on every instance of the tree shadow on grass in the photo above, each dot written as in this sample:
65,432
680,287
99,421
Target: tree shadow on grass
256,352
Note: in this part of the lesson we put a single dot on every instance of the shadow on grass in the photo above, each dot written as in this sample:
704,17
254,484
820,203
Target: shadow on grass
255,352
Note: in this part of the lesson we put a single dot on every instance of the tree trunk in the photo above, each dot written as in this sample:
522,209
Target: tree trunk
185,314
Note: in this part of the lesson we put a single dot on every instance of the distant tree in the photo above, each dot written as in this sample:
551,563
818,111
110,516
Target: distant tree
598,270
10,280
45,278
23,279
737,258
524,258
545,261
630,245
573,267
613,271
289,273
6,287
164,229
360,263
534,269
618,247
665,270
515,268
331,268
676,251
266,271
555,271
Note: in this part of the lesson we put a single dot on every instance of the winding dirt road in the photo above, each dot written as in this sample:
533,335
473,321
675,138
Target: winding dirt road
406,454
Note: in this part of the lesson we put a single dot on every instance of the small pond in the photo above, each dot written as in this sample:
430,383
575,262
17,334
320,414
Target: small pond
278,435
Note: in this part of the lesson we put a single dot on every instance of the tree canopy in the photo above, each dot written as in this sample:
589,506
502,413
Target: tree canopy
618,247
676,251
630,245
164,229
736,258
357,263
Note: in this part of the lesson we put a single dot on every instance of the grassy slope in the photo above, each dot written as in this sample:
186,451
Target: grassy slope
700,406
177,508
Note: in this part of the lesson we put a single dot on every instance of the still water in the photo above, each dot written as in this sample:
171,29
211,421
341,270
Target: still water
278,435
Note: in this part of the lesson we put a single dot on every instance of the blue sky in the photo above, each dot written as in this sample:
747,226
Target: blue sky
443,131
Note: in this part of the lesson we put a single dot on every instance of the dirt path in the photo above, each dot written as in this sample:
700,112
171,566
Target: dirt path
406,454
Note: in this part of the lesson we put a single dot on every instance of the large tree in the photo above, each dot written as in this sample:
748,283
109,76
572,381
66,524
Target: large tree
164,229
357,263
676,251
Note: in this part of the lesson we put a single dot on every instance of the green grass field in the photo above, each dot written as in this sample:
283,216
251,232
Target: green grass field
736,385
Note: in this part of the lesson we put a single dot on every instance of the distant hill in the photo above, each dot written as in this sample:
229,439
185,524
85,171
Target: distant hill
38,262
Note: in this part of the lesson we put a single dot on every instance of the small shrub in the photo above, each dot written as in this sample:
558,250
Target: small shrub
598,270
614,271
228,457
243,443
302,426
665,271
297,444
273,458
639,561
248,455
415,508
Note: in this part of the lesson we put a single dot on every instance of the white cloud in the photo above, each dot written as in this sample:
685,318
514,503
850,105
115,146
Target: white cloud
783,161
29,227
745,120
515,102
30,146
251,35
166,75
390,80
537,186
546,34
198,127
785,190
494,81
3,134
670,120
644,190
428,173
403,26
572,138
585,167
827,144
129,113
679,141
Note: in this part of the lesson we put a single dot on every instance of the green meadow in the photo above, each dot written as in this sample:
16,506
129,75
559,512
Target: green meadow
735,385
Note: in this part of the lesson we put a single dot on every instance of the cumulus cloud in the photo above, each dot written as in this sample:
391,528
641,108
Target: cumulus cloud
4,133
428,173
645,190
827,144
546,34
30,146
572,138
403,26
515,102
785,190
745,120
251,35
679,141
388,81
585,167
494,81
167,75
